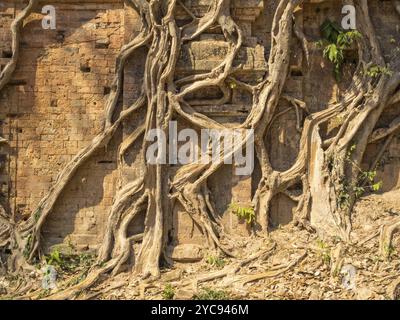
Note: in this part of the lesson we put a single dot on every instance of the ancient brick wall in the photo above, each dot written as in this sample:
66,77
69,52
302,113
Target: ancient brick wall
54,106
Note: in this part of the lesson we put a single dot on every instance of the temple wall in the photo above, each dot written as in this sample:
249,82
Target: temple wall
54,106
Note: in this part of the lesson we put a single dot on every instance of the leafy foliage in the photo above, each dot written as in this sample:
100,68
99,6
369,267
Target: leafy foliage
324,252
243,212
54,258
168,292
70,262
210,294
334,41
375,71
364,182
216,261
369,177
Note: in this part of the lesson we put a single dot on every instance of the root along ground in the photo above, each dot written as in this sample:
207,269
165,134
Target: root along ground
327,167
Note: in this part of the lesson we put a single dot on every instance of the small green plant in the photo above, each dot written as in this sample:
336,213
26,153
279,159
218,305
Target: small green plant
358,191
243,212
377,186
215,261
70,262
210,294
54,258
369,177
232,85
334,41
365,181
324,252
168,292
375,71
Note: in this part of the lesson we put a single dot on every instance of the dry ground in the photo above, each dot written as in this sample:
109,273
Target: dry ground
296,265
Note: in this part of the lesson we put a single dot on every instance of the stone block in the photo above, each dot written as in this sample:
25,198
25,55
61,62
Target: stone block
186,253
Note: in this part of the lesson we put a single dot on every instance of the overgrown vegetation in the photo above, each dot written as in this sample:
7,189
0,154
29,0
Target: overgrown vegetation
324,252
211,294
215,261
169,292
244,212
376,71
334,42
366,181
70,262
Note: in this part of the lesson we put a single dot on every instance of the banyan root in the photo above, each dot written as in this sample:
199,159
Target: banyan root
16,26
242,280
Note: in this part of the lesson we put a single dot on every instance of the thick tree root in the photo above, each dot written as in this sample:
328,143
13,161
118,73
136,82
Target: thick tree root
386,237
16,26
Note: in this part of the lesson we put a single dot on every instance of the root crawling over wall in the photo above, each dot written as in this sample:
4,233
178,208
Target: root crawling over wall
328,169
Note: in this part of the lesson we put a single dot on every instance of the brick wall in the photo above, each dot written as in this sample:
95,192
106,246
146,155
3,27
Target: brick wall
54,106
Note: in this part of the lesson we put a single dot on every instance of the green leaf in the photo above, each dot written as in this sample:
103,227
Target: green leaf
330,31
333,53
336,40
377,186
243,212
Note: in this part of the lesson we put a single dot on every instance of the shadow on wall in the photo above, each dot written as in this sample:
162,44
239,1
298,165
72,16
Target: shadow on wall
282,209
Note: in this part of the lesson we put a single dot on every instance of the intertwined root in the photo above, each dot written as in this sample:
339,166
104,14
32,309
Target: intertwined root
321,166
386,237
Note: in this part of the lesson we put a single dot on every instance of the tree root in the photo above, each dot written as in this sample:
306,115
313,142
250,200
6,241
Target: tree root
16,26
240,281
386,237
393,290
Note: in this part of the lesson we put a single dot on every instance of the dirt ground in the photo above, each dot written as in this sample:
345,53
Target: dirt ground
293,264
328,270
